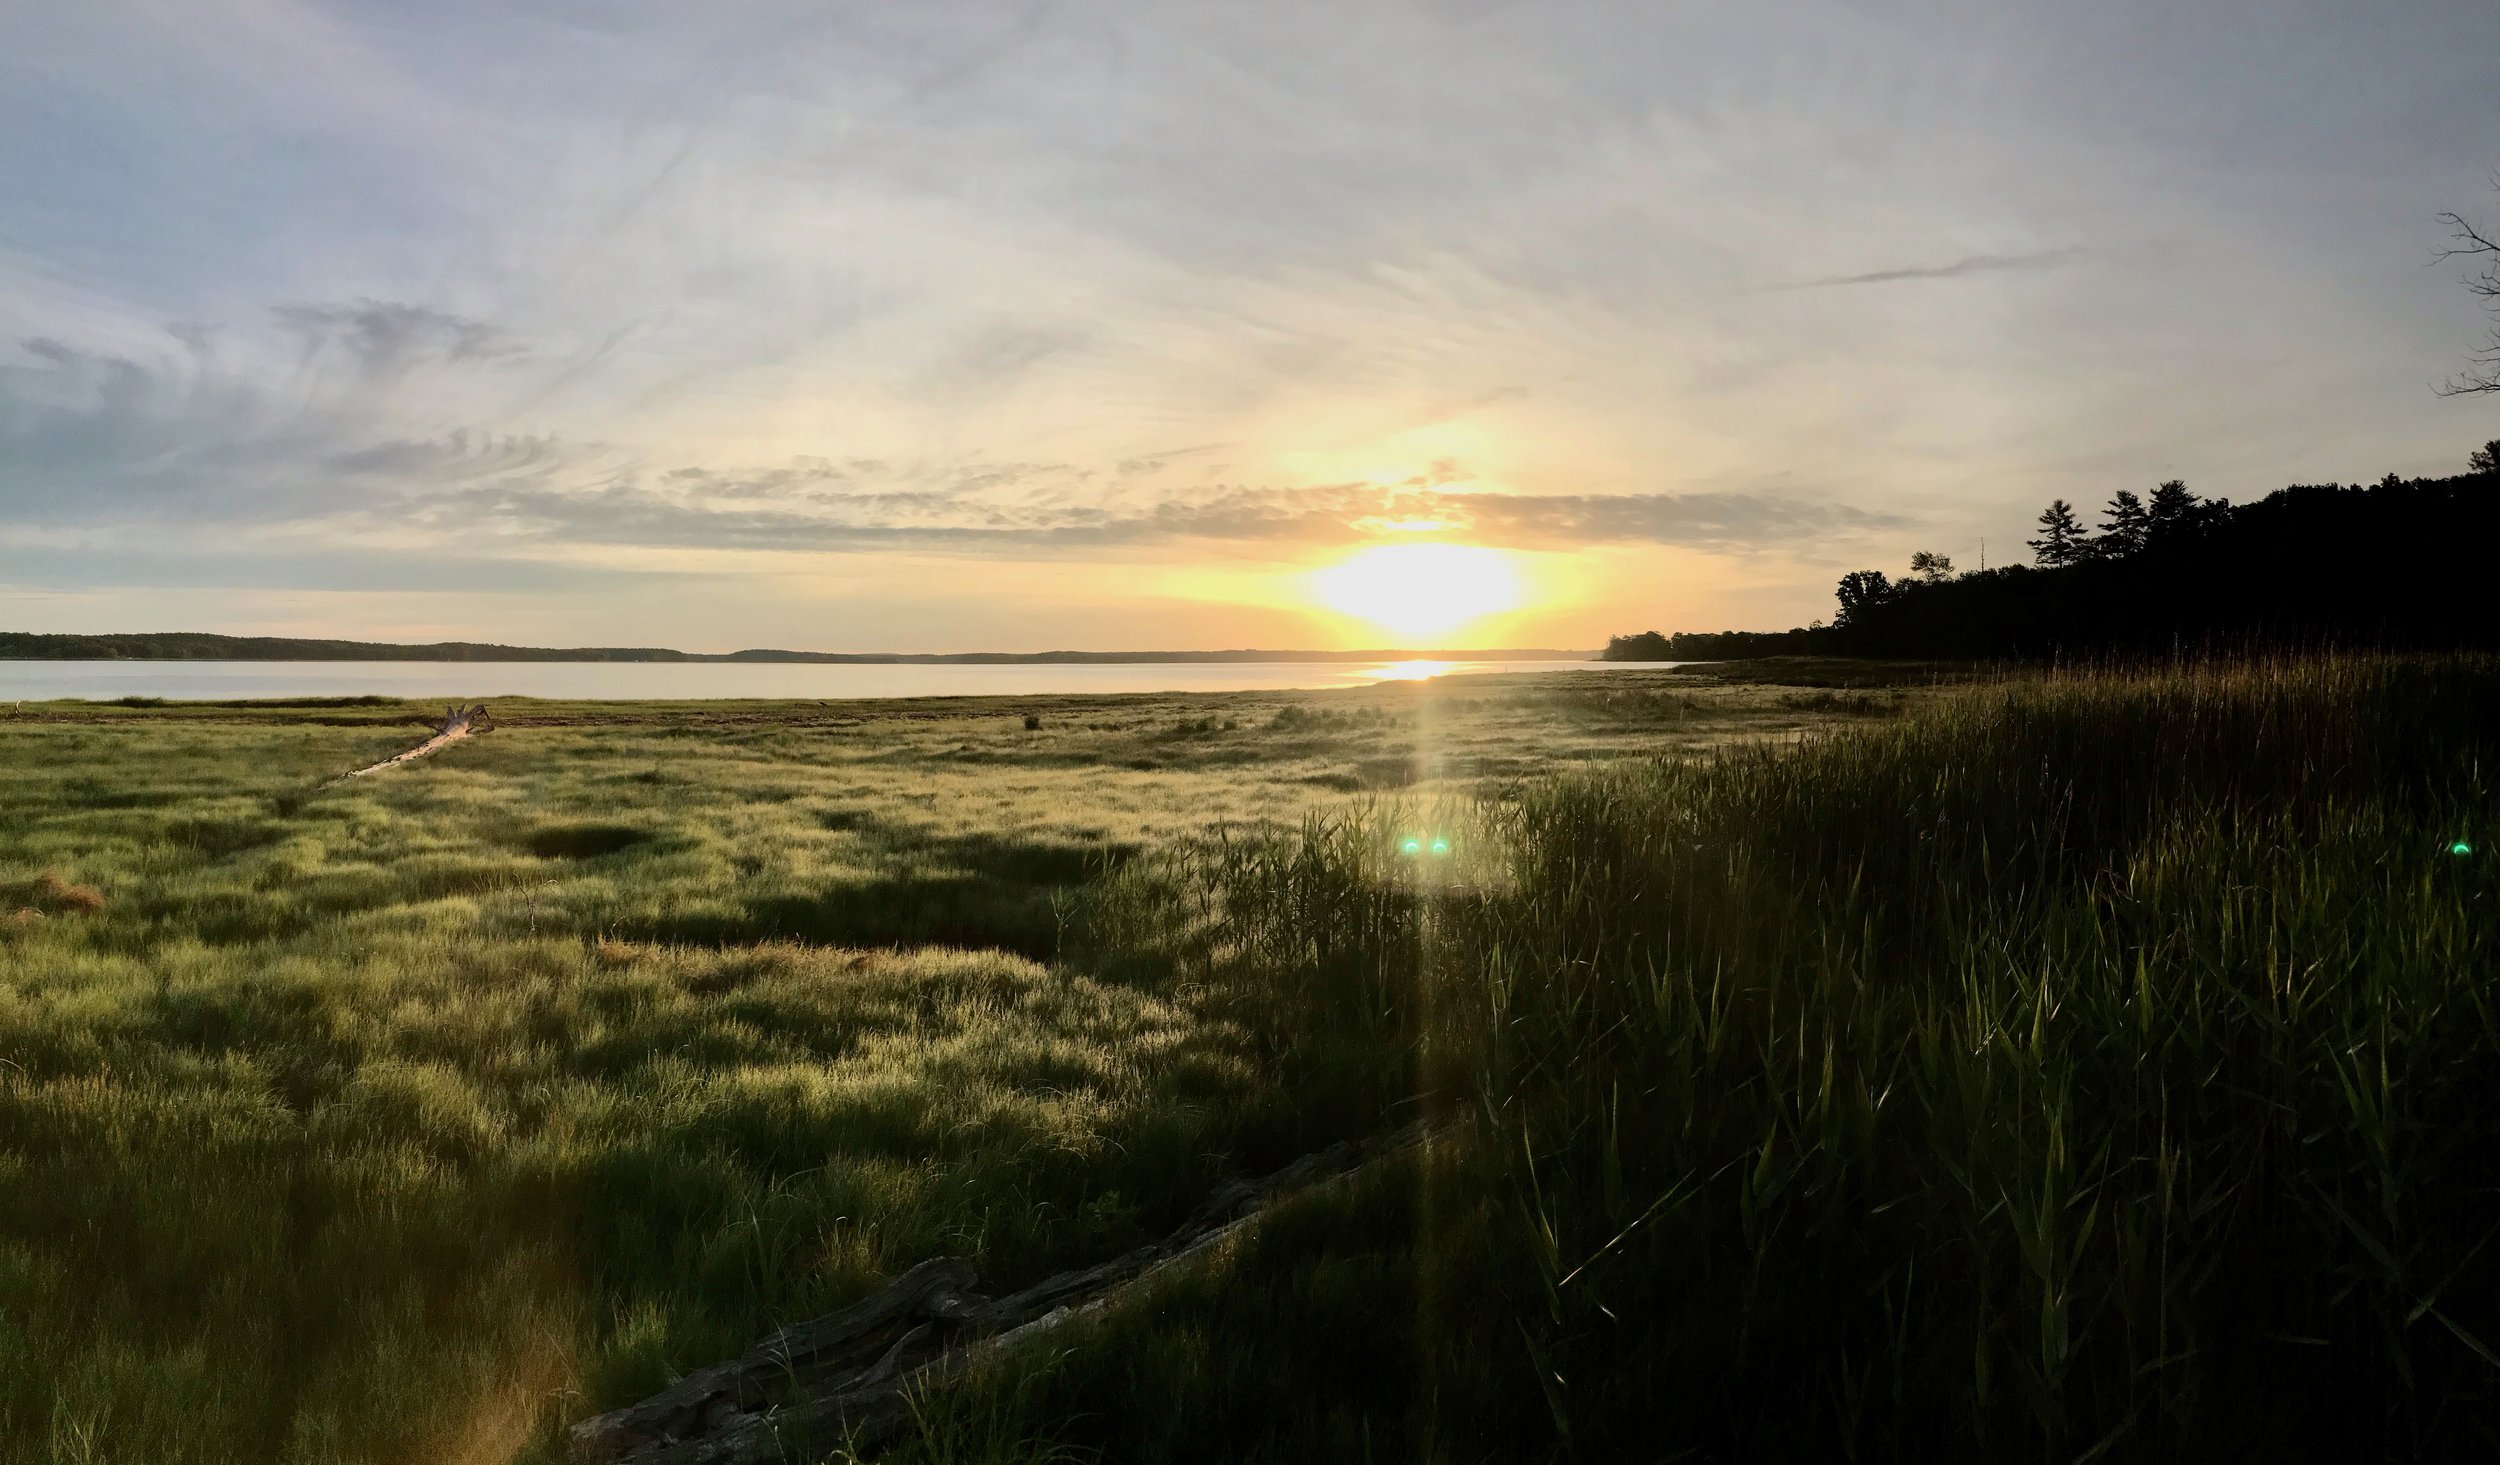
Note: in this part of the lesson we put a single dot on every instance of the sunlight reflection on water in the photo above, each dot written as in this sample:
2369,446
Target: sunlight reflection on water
1424,671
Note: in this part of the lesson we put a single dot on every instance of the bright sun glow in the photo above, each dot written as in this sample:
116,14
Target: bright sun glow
1413,671
1419,590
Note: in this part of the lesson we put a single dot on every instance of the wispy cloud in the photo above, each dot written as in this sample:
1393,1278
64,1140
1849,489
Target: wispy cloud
1974,264
96,437
385,338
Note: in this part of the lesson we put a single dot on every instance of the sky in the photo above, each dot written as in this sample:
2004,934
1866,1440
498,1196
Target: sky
1025,326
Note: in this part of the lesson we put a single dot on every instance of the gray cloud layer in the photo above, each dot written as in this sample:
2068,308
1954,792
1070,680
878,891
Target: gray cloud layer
184,442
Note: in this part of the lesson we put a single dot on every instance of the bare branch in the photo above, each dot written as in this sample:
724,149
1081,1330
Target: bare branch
2482,376
2469,240
2466,241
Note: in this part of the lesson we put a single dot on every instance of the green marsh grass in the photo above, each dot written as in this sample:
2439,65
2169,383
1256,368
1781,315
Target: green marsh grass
2089,1066
410,1118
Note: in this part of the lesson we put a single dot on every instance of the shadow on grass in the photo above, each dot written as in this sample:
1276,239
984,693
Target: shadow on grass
976,891
582,841
220,837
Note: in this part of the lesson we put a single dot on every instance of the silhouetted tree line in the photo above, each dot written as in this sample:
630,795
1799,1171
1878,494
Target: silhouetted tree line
2401,564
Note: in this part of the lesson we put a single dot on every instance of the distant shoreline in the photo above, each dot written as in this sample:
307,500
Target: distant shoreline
203,646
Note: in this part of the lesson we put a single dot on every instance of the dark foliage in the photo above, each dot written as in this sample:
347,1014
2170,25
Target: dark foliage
2403,564
1861,592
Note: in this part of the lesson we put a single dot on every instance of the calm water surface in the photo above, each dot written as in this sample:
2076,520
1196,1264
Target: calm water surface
217,680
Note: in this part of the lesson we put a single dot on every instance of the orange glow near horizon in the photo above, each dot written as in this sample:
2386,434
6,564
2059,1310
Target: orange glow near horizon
1417,591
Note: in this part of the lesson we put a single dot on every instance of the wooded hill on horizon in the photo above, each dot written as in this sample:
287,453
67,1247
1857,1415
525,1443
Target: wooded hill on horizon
2403,564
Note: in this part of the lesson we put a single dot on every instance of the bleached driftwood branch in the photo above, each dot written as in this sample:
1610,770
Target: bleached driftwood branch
458,723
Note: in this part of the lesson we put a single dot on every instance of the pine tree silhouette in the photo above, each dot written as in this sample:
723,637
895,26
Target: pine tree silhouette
2125,525
2061,540
2172,506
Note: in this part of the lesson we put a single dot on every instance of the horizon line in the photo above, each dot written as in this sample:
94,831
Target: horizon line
207,646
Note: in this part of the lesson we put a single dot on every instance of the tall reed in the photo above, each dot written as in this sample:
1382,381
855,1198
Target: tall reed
2096,1065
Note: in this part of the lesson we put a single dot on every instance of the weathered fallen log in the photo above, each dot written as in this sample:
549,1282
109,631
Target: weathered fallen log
458,723
711,1401
849,1376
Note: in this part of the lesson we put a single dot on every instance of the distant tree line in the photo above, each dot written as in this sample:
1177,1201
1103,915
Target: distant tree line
207,646
2404,563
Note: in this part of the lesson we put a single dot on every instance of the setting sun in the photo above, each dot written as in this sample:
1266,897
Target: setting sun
1419,589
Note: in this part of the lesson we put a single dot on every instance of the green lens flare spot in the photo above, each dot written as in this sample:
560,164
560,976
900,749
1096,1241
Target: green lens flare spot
2460,848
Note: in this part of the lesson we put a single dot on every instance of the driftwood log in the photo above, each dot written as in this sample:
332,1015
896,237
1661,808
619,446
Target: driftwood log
458,722
849,1376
